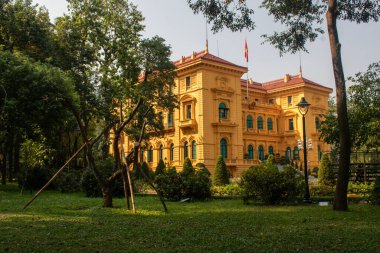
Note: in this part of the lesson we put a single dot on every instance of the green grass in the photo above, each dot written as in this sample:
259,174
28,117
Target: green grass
58,222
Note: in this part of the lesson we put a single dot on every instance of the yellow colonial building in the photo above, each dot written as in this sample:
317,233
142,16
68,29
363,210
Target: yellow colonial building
220,115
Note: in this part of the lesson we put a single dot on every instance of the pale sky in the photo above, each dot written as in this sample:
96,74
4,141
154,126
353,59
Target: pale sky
185,32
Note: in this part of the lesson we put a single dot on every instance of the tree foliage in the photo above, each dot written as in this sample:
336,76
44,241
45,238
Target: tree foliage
221,173
235,15
363,112
326,172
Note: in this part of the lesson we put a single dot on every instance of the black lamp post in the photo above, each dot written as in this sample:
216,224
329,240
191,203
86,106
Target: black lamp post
303,107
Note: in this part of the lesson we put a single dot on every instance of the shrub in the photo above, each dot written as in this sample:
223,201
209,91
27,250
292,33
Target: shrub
90,185
187,168
69,181
321,190
190,183
34,178
325,172
229,191
266,183
314,172
169,184
221,173
160,169
375,194
361,190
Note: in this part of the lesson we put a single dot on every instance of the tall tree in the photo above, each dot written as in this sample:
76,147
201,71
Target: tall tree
303,20
26,32
363,112
100,45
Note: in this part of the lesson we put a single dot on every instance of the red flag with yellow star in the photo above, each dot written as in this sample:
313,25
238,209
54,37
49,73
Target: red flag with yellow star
245,50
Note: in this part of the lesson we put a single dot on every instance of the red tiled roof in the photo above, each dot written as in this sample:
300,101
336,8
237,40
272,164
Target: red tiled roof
205,56
293,80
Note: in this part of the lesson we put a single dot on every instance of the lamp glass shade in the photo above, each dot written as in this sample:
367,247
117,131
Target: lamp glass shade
303,106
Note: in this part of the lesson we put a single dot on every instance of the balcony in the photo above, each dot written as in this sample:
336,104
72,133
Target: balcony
188,123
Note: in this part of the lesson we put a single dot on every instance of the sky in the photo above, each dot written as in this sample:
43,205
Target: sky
185,32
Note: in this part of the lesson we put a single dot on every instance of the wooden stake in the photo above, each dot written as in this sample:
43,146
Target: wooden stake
126,167
53,177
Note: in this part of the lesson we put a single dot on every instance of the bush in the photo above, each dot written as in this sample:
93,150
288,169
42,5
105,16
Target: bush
321,190
69,181
266,183
90,185
160,169
34,178
169,184
187,168
375,194
326,172
361,190
221,173
228,191
190,183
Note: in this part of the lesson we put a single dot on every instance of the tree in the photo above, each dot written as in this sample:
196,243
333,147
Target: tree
34,91
363,107
187,168
160,169
25,28
303,19
26,33
325,172
100,46
221,173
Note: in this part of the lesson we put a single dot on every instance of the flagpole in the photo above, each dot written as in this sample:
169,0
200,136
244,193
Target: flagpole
246,61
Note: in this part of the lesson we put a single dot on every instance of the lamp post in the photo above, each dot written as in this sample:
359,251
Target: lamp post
303,107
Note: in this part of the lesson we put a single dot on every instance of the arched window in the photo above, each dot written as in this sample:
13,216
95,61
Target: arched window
296,153
317,123
288,153
249,122
185,150
261,153
194,150
223,148
160,153
260,124
171,152
270,124
150,154
319,153
271,150
223,111
250,152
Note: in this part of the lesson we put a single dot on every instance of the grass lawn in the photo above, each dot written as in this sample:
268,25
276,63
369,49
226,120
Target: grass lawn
58,222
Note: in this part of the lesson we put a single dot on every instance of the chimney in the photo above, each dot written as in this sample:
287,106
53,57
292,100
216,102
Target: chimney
182,59
286,78
193,55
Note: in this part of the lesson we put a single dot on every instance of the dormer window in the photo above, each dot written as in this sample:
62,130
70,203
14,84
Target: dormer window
223,111
188,82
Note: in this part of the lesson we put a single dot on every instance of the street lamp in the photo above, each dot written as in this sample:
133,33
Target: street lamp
303,107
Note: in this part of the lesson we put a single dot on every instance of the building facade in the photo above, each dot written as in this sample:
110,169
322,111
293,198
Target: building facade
219,115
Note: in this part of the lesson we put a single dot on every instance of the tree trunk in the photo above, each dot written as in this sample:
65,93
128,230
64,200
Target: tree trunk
3,169
340,200
107,195
16,155
9,147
